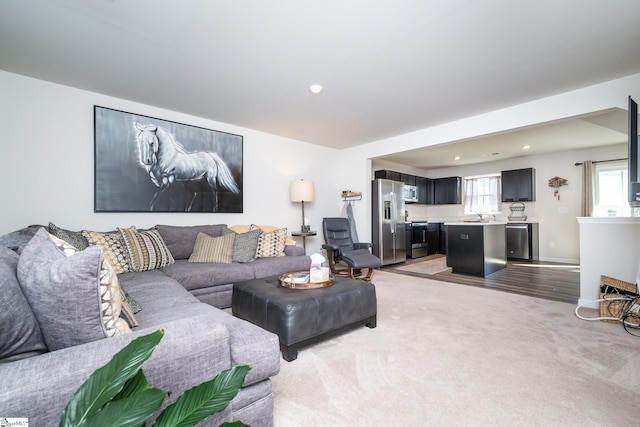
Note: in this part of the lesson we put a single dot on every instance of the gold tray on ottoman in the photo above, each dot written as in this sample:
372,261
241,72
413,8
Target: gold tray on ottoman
287,281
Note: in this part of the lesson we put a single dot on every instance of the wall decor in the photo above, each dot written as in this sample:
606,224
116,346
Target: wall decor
557,182
145,164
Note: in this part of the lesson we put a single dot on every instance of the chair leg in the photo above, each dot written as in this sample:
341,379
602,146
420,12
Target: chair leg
357,274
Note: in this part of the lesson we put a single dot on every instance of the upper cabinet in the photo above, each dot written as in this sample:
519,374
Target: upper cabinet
519,185
385,174
425,190
447,191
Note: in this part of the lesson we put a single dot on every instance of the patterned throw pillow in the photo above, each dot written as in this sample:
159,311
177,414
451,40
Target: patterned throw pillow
112,248
245,245
213,249
271,244
112,296
146,249
74,238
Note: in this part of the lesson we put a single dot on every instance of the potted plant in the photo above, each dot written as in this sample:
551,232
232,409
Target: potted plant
118,394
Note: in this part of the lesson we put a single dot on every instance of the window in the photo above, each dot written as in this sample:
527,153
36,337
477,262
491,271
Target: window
610,186
482,194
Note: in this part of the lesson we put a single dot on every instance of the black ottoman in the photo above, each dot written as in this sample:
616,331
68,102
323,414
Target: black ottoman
302,316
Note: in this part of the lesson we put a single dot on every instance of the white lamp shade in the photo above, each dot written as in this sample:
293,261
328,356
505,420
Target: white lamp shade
301,191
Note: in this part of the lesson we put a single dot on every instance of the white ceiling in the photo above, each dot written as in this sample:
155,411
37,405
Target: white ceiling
388,67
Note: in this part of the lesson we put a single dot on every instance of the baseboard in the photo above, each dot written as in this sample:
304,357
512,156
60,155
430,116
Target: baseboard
588,303
561,260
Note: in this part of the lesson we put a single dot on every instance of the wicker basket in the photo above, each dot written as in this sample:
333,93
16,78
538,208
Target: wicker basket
614,288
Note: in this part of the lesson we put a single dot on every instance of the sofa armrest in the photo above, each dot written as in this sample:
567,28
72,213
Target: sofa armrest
193,350
293,250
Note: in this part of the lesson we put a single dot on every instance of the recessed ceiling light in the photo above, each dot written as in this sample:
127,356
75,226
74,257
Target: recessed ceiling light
315,89
526,147
456,158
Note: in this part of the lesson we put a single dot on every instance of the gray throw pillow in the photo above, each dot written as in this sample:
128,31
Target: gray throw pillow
66,293
180,239
245,245
19,330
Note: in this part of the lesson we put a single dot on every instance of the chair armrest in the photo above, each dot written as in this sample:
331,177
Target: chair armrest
362,245
335,248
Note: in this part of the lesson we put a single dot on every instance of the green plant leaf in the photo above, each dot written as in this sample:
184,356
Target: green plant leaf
234,424
132,411
106,382
197,403
134,385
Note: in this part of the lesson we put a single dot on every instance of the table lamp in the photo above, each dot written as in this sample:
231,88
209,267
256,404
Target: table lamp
302,191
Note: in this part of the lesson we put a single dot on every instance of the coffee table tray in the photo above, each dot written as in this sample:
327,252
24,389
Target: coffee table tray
287,282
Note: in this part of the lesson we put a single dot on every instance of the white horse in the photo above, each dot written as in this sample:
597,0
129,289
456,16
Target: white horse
166,161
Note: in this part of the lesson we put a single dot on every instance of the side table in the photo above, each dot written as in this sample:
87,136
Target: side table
304,236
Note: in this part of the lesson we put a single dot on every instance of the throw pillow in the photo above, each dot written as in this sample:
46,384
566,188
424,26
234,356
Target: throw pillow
245,245
213,249
19,329
271,244
73,298
266,228
111,244
180,239
74,238
146,249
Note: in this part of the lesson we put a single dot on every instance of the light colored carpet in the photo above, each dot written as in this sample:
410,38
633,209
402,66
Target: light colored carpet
446,354
431,266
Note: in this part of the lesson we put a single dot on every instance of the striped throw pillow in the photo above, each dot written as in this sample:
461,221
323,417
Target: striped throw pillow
213,249
146,249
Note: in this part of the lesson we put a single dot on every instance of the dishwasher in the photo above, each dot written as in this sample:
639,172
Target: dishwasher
522,241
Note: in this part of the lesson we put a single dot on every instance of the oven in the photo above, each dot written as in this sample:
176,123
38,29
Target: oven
418,239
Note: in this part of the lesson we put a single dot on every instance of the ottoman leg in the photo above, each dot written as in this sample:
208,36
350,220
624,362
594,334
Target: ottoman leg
289,352
372,322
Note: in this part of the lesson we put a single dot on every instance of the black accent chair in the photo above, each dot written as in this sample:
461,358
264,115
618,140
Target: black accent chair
340,247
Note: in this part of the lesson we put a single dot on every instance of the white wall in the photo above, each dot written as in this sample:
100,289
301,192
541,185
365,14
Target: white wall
47,165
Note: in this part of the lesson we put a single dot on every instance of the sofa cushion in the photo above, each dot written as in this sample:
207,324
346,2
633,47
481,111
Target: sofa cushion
213,249
180,239
271,244
146,249
19,328
205,275
112,247
75,238
17,240
70,299
245,245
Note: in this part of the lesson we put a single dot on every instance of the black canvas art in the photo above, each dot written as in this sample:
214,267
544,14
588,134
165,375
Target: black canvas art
144,164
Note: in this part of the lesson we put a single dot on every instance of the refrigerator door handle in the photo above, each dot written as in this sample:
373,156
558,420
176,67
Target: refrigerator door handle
393,214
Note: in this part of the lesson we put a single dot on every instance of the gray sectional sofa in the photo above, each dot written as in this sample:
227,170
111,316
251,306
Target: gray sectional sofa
183,298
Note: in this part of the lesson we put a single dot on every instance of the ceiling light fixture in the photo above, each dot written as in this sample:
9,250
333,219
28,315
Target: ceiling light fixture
315,89
456,158
526,147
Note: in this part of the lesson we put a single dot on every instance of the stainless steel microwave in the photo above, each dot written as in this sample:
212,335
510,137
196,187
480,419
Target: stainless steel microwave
410,194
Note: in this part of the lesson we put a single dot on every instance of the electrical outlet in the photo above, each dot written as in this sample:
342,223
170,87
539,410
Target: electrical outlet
563,210
552,244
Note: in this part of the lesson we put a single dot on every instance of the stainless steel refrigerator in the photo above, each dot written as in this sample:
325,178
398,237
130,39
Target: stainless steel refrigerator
388,233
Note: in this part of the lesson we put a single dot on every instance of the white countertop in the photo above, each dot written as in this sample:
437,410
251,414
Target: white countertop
476,223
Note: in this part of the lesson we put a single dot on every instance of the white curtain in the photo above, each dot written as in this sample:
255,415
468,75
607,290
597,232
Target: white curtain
483,194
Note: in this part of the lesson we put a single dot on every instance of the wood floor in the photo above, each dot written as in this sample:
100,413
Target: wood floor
554,281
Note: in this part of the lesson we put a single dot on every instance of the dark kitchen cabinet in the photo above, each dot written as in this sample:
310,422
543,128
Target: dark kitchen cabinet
408,179
476,250
442,249
433,237
519,185
385,174
425,190
447,191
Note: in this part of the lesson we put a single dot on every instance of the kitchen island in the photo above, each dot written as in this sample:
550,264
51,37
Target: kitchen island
476,248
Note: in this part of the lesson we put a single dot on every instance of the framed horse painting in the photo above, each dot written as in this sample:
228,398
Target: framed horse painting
144,164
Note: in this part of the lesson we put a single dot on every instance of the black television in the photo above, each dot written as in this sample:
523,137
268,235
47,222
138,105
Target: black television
633,162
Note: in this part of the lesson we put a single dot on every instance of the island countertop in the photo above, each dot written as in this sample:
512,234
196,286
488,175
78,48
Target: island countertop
476,223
